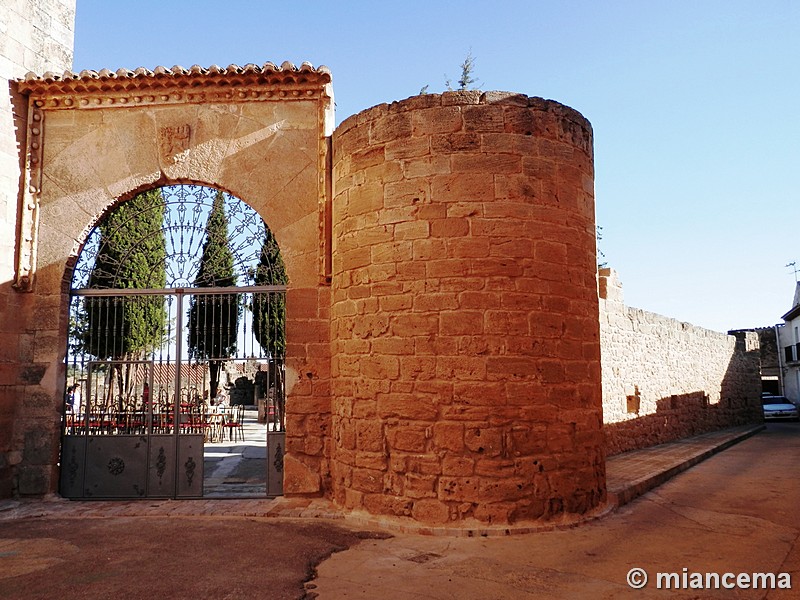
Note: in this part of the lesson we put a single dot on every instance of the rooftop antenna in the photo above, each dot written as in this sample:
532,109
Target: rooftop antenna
793,264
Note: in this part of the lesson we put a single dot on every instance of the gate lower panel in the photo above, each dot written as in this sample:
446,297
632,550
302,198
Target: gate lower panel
116,467
276,448
132,466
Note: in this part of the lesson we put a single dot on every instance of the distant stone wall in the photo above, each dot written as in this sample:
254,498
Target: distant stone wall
664,379
35,35
771,380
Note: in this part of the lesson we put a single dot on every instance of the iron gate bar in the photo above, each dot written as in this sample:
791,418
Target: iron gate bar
124,430
176,291
90,369
176,408
182,210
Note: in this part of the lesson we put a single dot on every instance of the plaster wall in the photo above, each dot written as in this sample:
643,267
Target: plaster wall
664,379
788,335
35,35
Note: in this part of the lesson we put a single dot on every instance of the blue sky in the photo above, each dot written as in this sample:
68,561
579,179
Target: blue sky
693,104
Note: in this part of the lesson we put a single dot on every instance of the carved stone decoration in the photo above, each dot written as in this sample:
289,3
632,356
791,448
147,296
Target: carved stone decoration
91,89
173,142
29,211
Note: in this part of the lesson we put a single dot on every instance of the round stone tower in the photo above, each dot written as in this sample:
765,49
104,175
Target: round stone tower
465,336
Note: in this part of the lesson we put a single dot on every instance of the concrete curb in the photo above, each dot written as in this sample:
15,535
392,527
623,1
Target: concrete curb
641,486
407,526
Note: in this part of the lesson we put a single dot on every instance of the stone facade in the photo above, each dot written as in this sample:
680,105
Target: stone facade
464,316
35,35
771,378
664,379
442,334
258,132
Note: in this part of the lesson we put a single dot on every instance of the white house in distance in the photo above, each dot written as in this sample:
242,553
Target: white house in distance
789,349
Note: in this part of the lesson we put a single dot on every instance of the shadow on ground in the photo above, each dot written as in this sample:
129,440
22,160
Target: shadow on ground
176,558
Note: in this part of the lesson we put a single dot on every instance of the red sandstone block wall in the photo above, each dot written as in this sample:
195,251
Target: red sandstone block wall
464,324
308,399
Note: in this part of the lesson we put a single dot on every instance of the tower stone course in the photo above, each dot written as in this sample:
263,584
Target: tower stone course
465,348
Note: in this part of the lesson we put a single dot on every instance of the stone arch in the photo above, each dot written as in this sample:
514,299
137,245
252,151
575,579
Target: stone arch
446,211
114,204
96,139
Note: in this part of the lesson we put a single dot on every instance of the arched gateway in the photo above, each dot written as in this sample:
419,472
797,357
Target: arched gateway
442,335
95,140
177,336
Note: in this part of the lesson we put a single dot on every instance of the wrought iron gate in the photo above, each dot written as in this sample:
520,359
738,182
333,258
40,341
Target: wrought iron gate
144,415
143,427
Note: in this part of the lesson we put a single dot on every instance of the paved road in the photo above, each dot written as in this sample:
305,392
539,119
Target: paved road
737,512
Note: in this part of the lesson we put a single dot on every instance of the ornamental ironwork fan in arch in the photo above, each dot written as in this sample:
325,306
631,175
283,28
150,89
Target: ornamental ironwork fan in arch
167,228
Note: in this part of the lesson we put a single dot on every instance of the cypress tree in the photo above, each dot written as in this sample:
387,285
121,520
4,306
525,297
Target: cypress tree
269,315
269,310
214,319
131,255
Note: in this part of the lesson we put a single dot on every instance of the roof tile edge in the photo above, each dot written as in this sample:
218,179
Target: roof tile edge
105,79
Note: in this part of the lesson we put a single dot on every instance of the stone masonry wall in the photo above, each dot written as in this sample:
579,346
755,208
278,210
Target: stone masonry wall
452,370
266,145
35,35
464,316
664,380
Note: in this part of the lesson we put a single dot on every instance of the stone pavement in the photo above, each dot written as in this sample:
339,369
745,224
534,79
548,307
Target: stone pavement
733,517
629,475
237,467
105,540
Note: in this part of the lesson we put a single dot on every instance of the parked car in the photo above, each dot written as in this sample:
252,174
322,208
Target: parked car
779,407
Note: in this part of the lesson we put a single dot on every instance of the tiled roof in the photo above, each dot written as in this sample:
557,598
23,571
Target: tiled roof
125,79
191,374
